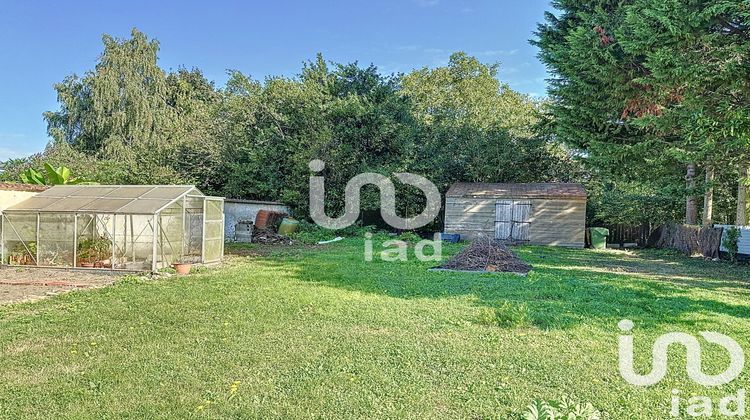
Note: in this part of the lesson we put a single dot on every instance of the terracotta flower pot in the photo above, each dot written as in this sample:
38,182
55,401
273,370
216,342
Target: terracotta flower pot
182,268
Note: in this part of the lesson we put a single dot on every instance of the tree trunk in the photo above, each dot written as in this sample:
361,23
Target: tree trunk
708,198
741,216
691,209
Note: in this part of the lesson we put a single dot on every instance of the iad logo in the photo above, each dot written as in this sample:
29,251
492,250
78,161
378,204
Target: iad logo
387,199
693,347
697,405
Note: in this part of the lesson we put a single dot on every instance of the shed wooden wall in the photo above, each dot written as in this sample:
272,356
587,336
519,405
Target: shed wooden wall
554,221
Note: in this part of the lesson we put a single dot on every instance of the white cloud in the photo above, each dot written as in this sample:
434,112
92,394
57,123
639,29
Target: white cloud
492,53
13,152
427,3
7,153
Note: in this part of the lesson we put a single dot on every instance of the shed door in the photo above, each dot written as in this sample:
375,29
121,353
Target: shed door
521,224
503,219
512,220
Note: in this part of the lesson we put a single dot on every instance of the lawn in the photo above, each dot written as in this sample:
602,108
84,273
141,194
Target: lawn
319,332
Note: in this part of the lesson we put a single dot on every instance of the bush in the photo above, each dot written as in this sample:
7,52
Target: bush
731,242
410,237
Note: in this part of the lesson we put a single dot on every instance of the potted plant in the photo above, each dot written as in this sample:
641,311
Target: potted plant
22,254
182,266
94,252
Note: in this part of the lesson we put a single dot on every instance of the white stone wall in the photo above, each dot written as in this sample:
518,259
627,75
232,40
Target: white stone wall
236,210
9,198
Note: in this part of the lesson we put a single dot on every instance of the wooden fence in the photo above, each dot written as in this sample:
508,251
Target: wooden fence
629,234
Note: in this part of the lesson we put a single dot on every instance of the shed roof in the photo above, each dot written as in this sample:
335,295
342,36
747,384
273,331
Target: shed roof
114,199
534,190
11,186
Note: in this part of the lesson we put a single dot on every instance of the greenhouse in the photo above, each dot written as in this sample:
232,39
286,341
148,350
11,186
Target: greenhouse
127,227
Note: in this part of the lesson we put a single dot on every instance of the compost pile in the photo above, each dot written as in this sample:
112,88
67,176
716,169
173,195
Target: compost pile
267,236
486,254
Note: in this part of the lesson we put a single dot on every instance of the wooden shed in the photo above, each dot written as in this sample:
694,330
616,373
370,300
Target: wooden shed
540,214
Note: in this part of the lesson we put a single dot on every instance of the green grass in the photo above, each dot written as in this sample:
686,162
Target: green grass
318,332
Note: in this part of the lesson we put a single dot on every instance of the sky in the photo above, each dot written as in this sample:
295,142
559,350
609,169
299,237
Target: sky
41,42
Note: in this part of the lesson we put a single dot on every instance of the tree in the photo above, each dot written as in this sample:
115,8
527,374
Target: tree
119,111
474,128
633,89
697,76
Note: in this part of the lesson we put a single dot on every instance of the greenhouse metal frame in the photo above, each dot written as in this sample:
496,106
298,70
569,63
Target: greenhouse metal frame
114,227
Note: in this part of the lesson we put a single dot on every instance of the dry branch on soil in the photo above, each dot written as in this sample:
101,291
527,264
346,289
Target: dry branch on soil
263,236
486,254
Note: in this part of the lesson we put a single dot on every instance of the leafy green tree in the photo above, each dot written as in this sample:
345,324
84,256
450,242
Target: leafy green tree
474,128
633,89
194,149
125,111
696,76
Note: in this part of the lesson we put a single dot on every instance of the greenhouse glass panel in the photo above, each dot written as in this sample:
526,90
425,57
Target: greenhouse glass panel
168,192
105,205
143,206
131,191
19,239
213,247
94,240
194,228
134,241
171,233
35,203
92,191
56,239
68,204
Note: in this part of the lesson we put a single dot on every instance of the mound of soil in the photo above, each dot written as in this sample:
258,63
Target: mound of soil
486,254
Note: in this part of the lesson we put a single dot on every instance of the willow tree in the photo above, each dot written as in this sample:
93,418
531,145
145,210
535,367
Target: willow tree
118,111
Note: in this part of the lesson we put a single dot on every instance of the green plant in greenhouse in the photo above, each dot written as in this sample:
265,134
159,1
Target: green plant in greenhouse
23,253
93,250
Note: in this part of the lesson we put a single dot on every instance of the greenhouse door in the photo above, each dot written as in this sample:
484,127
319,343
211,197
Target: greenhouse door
512,220
213,229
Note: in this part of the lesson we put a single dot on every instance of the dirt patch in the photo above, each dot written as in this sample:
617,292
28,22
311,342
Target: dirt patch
19,284
487,255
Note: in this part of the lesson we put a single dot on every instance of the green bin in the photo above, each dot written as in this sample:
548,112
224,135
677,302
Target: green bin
599,237
288,226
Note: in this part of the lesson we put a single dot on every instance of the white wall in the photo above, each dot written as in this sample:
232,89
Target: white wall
236,210
9,198
744,242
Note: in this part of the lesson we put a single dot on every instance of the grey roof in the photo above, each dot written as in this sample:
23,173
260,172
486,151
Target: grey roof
532,190
111,199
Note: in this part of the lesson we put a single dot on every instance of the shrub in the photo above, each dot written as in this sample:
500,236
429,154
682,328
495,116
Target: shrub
410,237
731,242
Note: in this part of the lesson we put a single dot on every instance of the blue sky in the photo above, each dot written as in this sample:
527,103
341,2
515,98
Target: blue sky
43,41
